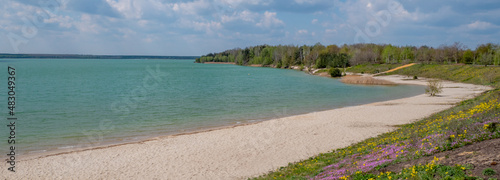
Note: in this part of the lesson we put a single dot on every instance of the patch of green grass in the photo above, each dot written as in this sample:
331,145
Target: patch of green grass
321,71
489,172
459,73
481,75
428,171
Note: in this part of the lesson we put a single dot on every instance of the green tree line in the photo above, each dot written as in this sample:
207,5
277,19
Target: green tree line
333,56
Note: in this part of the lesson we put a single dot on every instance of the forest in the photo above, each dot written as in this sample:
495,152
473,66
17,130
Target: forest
333,56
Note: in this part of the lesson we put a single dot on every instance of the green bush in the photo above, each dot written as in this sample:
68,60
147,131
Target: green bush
335,72
489,172
434,87
278,65
267,61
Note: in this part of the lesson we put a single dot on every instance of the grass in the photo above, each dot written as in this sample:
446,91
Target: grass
489,172
365,80
459,73
372,68
322,71
471,121
428,171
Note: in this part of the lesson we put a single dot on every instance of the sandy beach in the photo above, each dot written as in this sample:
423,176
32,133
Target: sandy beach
242,151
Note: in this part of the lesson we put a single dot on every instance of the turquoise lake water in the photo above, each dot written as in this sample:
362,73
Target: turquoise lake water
70,103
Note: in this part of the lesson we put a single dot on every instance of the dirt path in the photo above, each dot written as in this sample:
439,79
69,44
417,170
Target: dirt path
395,69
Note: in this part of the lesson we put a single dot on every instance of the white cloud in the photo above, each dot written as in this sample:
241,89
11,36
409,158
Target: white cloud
362,11
63,21
269,20
191,8
127,33
245,15
328,31
138,9
235,3
304,1
369,5
481,25
128,8
87,24
208,27
310,2
239,23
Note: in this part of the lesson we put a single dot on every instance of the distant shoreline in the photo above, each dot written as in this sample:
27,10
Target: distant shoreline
80,56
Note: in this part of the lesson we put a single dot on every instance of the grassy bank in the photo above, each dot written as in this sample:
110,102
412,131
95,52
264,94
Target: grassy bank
372,68
470,122
460,73
483,75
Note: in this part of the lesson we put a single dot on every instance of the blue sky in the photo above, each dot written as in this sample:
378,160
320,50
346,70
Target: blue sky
197,27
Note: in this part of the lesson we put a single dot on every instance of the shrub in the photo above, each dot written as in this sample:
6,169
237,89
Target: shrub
278,65
489,172
415,77
335,72
434,87
267,61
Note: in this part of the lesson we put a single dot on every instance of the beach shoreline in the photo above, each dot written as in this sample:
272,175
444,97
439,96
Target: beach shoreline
244,150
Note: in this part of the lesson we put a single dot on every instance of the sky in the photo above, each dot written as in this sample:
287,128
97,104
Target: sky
198,27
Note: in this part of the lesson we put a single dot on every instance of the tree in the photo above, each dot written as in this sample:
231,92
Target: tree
364,53
439,55
423,54
267,55
278,56
407,54
496,59
334,56
456,51
484,48
468,57
314,55
486,59
303,53
239,59
323,59
389,54
333,49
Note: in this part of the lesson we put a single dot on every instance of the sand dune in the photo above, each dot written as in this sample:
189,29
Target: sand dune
243,151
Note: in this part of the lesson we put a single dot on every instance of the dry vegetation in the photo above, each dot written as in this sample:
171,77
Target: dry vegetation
365,80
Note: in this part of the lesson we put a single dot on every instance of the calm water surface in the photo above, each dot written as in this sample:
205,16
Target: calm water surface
67,103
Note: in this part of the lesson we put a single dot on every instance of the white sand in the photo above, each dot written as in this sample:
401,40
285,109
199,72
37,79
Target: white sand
243,151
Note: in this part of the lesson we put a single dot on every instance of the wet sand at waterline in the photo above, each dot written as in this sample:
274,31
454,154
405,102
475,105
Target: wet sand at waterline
243,151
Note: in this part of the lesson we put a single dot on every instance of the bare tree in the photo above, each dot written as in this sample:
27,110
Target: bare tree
456,51
434,87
